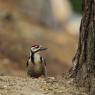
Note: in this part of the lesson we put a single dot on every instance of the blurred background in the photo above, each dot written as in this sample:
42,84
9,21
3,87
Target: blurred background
51,23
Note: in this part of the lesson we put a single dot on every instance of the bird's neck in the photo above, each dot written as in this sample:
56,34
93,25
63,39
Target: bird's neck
35,57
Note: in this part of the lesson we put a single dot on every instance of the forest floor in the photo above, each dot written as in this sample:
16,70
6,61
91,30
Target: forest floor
13,85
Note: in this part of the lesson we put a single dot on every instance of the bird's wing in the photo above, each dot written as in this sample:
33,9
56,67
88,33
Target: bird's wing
27,64
44,65
43,60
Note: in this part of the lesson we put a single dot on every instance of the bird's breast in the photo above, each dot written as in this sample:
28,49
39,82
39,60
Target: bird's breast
38,68
37,59
35,70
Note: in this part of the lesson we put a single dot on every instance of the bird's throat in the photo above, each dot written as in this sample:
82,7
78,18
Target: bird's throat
37,58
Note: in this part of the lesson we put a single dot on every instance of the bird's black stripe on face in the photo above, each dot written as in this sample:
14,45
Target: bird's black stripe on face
41,59
32,57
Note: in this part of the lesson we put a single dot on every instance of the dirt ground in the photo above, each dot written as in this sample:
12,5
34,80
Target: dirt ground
12,85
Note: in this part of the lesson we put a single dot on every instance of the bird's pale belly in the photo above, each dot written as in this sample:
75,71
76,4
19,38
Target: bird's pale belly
35,70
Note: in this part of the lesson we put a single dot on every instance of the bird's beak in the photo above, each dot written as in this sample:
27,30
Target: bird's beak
41,49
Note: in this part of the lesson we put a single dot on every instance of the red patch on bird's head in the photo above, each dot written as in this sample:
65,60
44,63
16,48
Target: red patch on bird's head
36,46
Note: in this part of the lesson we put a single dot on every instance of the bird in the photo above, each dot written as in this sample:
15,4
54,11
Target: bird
36,64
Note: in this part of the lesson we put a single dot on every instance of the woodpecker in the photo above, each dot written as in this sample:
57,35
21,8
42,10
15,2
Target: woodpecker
36,64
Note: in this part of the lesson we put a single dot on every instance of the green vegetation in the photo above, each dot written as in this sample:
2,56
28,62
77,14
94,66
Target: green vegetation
77,5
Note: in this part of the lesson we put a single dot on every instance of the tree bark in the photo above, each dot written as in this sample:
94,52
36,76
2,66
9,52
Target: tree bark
84,60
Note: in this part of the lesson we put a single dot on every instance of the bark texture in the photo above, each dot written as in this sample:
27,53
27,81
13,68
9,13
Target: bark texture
84,67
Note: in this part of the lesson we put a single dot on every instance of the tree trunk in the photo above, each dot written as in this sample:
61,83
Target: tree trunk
84,60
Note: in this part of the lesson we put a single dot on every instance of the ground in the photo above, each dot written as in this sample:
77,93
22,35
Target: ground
12,85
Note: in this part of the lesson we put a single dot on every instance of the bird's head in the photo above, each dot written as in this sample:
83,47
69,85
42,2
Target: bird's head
37,48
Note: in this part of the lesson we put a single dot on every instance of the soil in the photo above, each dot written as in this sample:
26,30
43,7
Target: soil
13,85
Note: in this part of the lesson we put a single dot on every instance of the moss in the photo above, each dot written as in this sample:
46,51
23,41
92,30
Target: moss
77,5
